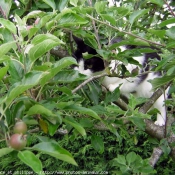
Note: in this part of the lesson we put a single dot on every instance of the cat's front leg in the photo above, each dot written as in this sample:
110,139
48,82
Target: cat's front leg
112,87
160,121
161,117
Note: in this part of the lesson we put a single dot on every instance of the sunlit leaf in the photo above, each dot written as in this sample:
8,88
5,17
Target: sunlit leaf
51,3
58,66
39,109
70,19
31,79
170,32
83,110
61,4
137,14
4,151
5,6
31,160
3,72
158,82
4,48
166,22
158,2
75,124
100,6
53,149
9,25
42,44
74,2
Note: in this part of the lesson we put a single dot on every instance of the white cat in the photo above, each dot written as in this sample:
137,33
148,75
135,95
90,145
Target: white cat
138,85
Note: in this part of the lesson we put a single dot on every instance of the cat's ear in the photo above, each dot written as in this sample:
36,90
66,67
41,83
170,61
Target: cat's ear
78,41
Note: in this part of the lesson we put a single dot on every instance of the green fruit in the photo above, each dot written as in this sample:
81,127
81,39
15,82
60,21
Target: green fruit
18,141
20,127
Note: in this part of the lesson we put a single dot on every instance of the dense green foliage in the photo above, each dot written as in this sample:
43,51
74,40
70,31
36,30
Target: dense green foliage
39,87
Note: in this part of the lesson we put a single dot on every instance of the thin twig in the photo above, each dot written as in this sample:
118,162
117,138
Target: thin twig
88,80
95,29
171,11
128,33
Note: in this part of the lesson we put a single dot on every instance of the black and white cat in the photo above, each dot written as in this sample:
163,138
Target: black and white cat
138,85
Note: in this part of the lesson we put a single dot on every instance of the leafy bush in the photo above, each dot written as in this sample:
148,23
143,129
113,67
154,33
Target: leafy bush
39,86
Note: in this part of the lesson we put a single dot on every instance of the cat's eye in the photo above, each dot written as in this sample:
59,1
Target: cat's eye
89,66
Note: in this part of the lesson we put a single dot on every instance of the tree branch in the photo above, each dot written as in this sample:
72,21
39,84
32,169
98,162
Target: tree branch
94,26
60,52
171,11
128,33
87,81
157,152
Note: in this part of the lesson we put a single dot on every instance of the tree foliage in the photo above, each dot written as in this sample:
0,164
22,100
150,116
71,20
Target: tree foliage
39,86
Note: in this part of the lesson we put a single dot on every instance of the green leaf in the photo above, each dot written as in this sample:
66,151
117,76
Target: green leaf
39,109
4,151
139,122
170,32
5,6
34,14
53,149
97,143
31,160
76,125
9,25
4,58
3,72
86,123
160,3
41,44
82,110
61,4
19,108
58,66
94,92
159,33
137,14
4,48
158,82
42,37
71,19
166,22
134,101
131,157
164,145
51,3
112,96
74,2
43,21
170,45
31,79
115,109
66,76
16,70
109,19
100,6
121,11
121,159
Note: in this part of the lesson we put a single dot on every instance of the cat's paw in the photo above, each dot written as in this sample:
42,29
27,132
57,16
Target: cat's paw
111,87
159,122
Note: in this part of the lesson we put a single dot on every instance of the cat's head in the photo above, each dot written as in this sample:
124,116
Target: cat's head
87,66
